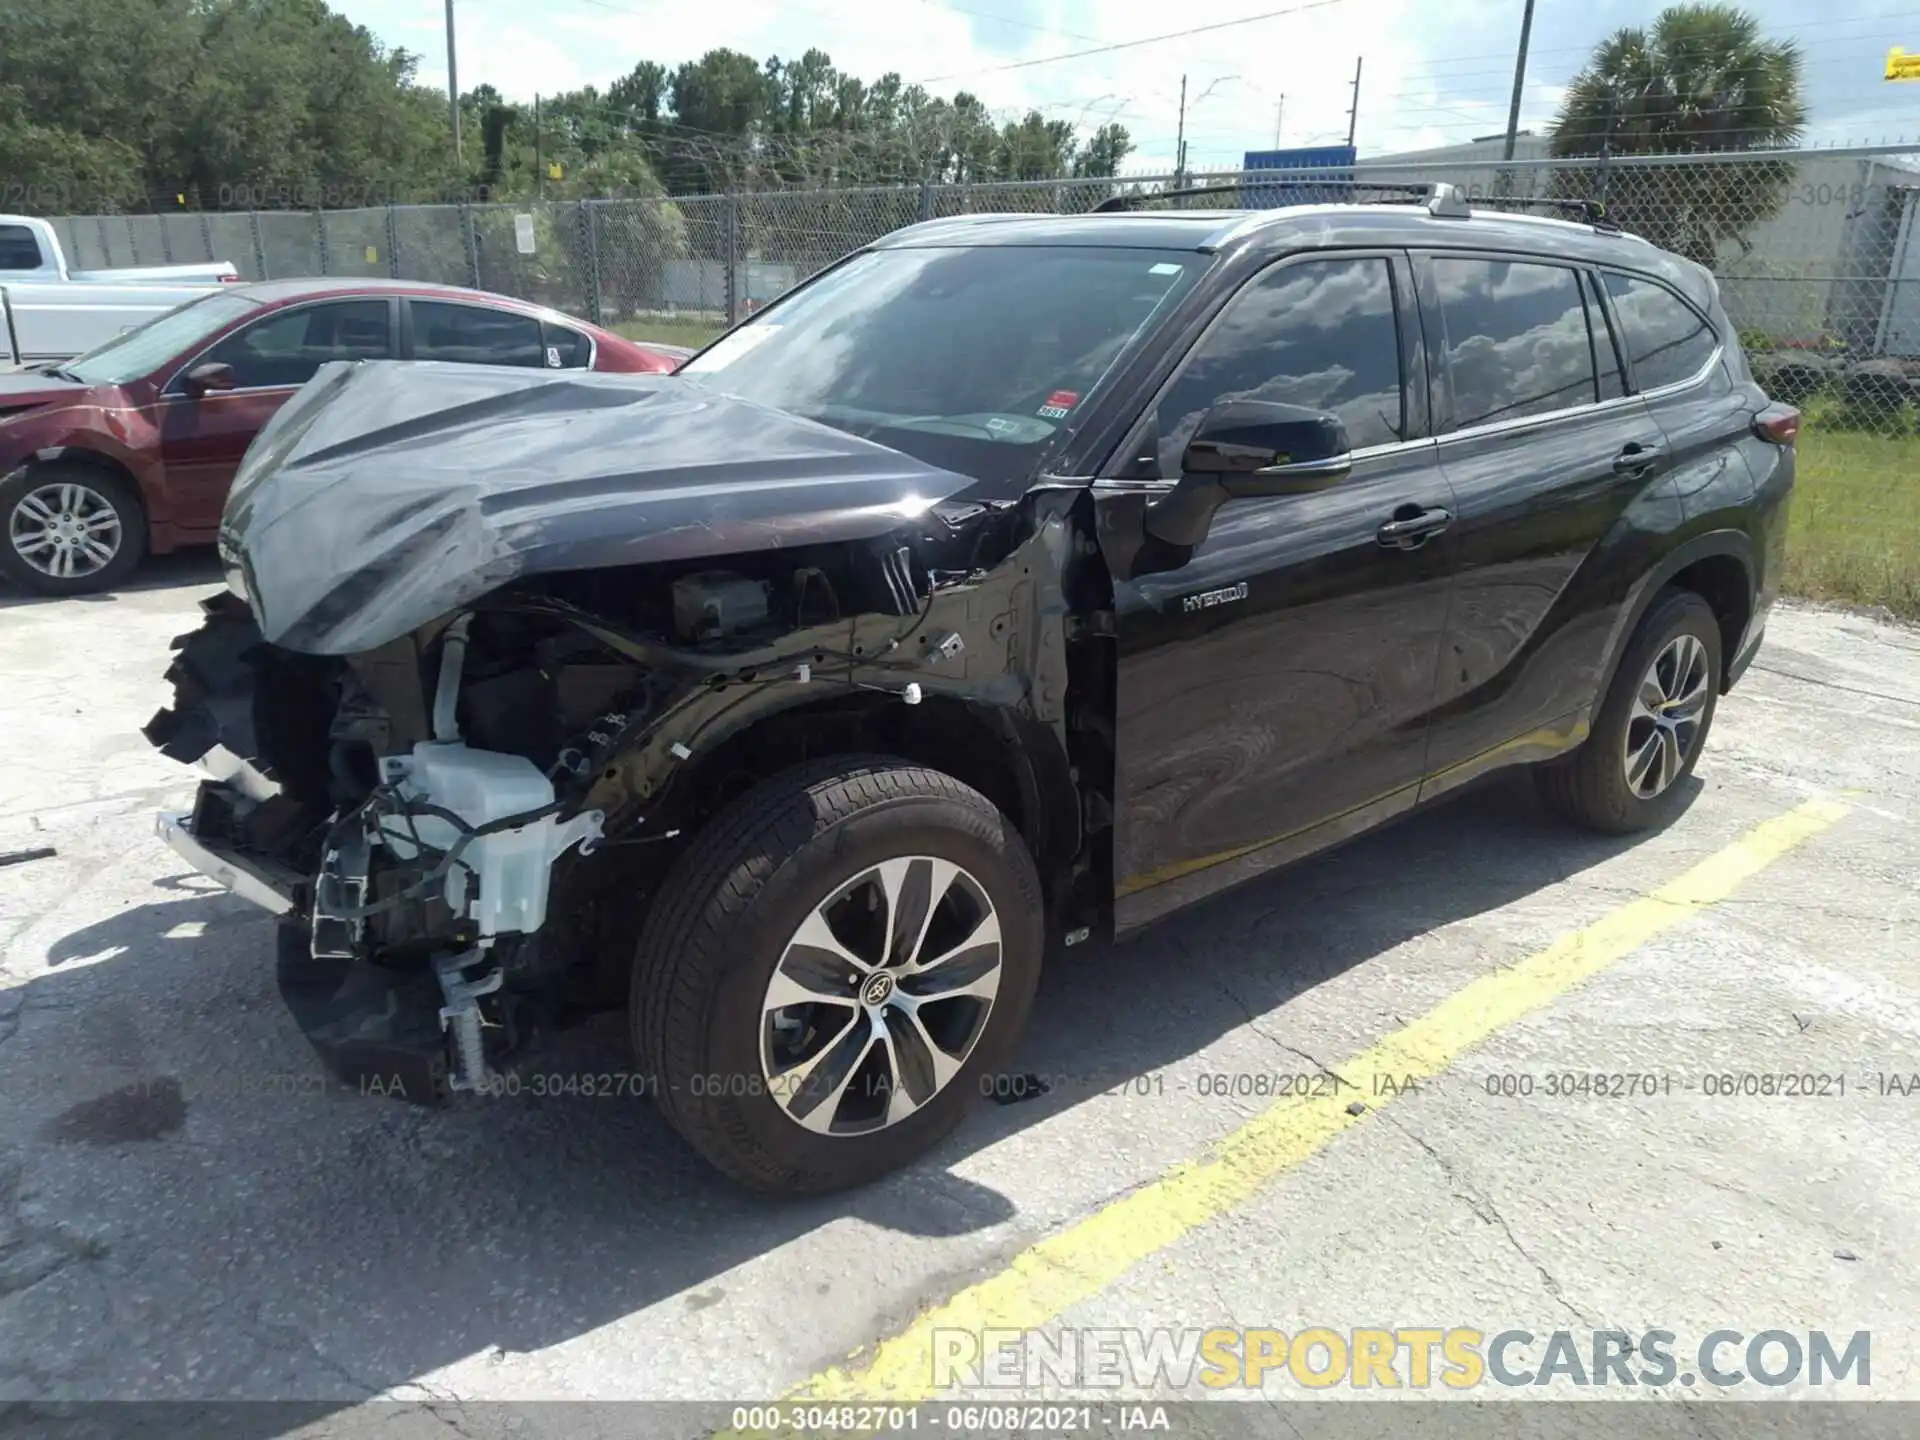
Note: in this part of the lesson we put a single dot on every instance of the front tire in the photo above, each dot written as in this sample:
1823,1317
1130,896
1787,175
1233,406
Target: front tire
69,529
1630,772
831,967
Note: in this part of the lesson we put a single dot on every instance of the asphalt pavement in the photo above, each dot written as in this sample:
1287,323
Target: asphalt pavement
1341,1103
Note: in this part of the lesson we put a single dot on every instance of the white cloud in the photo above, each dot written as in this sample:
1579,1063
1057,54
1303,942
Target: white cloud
1433,74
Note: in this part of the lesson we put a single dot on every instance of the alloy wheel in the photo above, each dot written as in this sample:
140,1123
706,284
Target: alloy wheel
66,530
1664,724
880,996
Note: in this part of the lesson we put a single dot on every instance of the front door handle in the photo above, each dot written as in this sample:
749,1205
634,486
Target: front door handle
1638,457
1411,531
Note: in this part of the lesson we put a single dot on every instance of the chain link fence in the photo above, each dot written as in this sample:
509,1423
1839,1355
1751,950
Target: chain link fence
1817,255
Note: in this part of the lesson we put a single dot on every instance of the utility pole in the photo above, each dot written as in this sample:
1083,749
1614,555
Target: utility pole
453,84
1353,115
1180,142
1278,111
539,170
1519,79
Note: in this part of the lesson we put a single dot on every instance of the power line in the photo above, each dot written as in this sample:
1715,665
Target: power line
1131,44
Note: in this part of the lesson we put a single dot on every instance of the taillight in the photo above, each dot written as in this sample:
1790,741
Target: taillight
229,279
1778,423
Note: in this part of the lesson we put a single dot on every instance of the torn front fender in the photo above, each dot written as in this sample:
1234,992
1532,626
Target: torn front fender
386,494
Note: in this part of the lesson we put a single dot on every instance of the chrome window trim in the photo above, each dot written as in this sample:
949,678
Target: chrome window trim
1549,417
171,395
1119,486
1703,373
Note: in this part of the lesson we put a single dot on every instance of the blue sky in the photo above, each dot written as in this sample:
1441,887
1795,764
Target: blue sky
1434,73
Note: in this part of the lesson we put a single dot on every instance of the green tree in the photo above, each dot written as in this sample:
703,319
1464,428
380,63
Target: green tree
1035,148
1105,152
1702,78
53,171
641,93
219,99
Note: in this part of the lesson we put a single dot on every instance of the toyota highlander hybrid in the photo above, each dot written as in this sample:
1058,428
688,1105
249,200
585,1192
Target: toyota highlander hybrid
1012,583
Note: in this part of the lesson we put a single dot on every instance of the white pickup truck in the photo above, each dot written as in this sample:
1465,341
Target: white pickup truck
51,312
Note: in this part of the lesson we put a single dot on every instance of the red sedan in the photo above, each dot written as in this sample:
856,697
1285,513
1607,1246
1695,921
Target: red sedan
131,447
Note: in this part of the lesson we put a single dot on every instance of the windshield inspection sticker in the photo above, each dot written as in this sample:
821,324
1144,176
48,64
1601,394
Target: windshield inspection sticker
1164,269
1059,403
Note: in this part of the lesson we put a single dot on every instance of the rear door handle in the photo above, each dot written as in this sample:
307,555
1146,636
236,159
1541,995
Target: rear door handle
1638,457
1410,532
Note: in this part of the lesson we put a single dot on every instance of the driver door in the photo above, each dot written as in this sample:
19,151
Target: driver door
204,438
1276,689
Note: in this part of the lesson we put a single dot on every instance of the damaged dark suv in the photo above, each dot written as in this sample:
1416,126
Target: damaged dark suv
1013,582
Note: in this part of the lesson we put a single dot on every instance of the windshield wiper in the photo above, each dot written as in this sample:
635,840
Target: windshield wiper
953,426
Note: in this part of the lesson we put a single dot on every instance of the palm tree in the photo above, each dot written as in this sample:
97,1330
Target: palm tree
1703,78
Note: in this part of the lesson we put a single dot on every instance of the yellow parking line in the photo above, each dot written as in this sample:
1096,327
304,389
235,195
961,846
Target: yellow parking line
1068,1267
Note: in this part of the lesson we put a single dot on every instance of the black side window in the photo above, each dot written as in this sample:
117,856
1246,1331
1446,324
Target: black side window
1606,348
1517,340
476,336
566,349
1667,341
286,348
1320,334
18,249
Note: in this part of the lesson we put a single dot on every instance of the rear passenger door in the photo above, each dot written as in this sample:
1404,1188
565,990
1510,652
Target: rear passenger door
1548,457
1673,360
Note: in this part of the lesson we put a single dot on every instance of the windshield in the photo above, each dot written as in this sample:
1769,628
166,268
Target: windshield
143,349
973,359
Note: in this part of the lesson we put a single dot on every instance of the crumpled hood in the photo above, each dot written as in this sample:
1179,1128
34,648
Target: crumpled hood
386,494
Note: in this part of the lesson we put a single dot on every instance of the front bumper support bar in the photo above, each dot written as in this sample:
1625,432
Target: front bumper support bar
248,881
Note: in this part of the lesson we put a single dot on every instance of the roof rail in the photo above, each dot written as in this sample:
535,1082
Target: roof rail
1127,201
1443,200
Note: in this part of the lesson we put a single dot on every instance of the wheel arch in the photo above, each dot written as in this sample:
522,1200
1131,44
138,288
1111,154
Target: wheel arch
1014,760
1719,567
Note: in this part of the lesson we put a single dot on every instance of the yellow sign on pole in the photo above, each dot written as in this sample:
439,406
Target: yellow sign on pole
1901,65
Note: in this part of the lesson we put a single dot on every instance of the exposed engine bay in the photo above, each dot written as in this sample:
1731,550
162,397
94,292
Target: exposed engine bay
458,825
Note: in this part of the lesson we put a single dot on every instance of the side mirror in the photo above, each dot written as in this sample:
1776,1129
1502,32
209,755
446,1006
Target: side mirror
1244,448
214,375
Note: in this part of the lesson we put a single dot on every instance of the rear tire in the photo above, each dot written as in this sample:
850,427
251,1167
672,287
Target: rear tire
77,518
909,871
1630,772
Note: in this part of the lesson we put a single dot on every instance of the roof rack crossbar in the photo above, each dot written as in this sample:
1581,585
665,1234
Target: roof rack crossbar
1592,210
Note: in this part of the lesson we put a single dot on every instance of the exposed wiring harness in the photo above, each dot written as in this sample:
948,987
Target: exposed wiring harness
386,801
